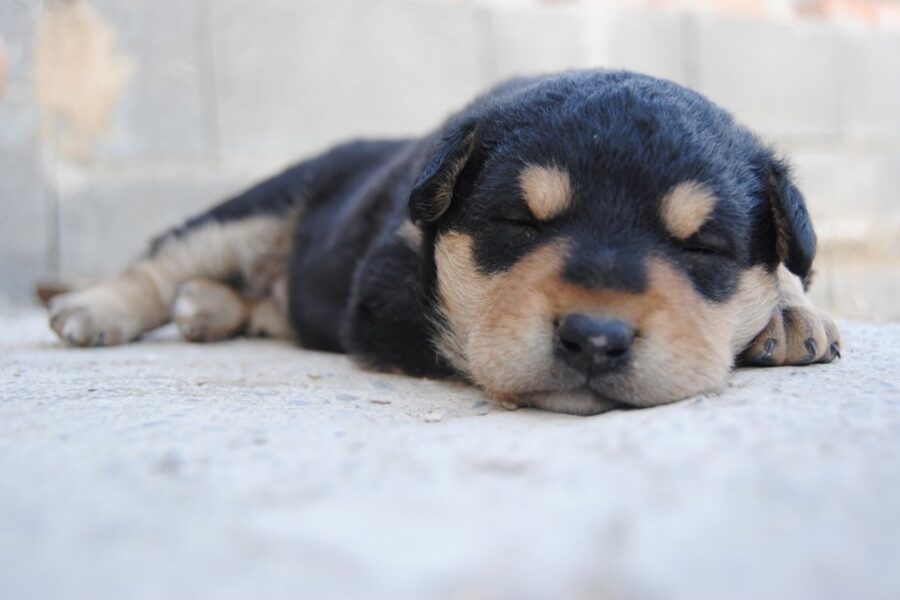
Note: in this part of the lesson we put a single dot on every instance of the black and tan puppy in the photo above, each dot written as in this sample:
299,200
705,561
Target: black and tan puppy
570,242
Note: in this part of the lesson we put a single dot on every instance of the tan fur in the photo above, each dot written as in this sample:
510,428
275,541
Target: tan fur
547,190
268,317
790,287
686,207
463,291
500,328
798,332
782,227
576,402
119,310
208,311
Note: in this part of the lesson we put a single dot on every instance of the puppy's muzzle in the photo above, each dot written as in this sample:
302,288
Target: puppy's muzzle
593,345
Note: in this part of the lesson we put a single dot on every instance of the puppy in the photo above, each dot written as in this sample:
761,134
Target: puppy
572,242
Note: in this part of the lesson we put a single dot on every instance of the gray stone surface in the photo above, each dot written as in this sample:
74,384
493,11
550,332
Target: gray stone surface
18,26
850,192
253,469
164,112
534,40
292,78
858,284
27,230
531,41
870,86
781,80
657,43
107,219
26,207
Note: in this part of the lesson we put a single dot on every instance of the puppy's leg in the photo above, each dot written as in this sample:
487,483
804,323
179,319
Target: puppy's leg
798,334
209,311
140,299
268,316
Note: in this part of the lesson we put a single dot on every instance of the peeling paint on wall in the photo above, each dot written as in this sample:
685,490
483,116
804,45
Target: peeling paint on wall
80,75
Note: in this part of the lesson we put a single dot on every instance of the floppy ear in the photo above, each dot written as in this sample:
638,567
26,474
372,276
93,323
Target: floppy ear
433,190
795,240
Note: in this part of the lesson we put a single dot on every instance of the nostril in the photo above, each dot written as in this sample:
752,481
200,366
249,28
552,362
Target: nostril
616,352
570,346
571,337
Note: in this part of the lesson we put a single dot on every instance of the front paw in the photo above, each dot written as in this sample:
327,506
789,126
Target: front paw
796,335
91,318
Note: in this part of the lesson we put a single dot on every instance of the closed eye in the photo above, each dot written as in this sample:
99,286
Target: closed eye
518,222
702,250
707,244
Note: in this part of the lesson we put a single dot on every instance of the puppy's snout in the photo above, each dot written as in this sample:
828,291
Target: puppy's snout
593,345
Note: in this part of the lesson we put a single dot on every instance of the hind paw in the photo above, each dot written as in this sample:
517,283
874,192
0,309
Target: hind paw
93,317
208,311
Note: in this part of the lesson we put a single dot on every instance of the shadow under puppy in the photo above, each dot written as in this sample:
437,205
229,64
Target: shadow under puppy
572,242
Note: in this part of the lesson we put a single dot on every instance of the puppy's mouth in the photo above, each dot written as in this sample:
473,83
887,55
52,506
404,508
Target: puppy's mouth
606,400
583,400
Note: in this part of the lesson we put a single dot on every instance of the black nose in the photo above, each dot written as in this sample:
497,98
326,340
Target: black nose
593,345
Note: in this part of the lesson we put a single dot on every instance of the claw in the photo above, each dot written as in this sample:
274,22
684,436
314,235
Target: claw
766,357
835,349
812,348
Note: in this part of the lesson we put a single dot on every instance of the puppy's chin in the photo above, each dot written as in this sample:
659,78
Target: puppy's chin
574,402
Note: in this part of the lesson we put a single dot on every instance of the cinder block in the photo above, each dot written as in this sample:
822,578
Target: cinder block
852,200
540,40
107,220
26,211
532,40
651,42
293,77
857,287
26,203
870,85
852,196
162,112
780,80
18,27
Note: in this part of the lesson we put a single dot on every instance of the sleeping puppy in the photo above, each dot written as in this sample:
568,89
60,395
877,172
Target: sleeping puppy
573,242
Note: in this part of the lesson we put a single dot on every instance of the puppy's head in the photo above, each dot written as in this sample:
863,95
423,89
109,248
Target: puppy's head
603,238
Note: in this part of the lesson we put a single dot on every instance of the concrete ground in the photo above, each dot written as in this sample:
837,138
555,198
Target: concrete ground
253,469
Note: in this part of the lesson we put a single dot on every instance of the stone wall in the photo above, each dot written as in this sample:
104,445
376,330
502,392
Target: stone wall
121,117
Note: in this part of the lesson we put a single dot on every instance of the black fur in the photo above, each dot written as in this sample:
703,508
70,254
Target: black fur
625,139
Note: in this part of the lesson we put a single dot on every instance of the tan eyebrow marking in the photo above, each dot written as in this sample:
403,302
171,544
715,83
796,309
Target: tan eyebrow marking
686,207
547,190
